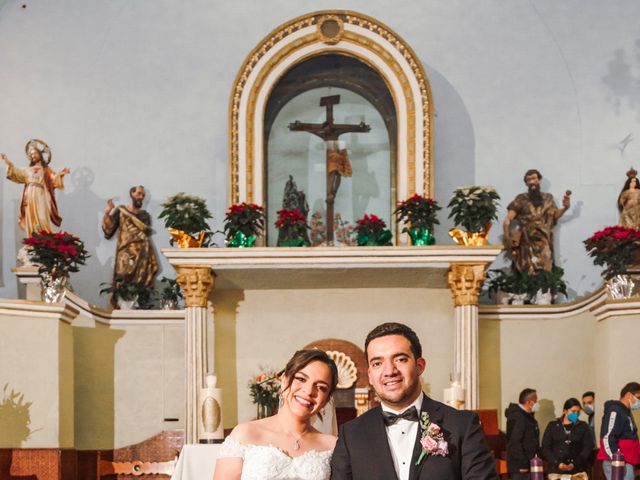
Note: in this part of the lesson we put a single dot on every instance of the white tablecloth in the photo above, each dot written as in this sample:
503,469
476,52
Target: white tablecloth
196,462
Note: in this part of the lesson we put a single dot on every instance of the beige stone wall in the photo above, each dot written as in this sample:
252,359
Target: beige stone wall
34,364
128,380
554,356
616,362
270,325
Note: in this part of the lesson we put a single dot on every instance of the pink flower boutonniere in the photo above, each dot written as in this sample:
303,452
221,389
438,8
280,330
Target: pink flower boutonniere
432,439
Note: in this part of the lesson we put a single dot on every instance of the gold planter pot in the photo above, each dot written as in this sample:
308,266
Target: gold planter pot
471,239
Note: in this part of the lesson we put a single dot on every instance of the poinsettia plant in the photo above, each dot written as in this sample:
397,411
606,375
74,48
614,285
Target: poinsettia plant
57,254
243,223
188,214
474,207
418,212
372,230
292,226
616,248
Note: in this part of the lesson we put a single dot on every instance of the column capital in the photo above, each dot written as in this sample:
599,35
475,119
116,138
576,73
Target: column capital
197,283
465,280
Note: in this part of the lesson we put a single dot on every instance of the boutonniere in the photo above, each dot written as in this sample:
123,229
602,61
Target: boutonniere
432,439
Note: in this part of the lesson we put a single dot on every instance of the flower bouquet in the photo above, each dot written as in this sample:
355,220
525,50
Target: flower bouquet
57,254
292,228
616,248
265,392
243,223
473,207
419,215
372,231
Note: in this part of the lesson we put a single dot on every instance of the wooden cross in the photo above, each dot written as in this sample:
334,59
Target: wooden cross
337,160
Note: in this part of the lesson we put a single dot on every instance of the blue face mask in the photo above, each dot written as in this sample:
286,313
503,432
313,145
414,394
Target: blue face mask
635,405
573,417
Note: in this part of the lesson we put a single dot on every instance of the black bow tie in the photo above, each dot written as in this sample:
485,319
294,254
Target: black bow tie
410,414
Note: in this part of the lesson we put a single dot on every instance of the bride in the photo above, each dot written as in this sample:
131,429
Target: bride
286,446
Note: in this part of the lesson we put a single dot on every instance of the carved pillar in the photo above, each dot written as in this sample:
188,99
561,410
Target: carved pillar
465,281
197,282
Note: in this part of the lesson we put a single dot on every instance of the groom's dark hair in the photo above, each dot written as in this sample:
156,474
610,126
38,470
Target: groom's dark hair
393,328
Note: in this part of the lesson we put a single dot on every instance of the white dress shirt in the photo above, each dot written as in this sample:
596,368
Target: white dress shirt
402,438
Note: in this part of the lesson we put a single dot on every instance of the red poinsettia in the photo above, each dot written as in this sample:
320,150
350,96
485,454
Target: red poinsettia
247,218
372,230
290,218
57,253
615,247
418,212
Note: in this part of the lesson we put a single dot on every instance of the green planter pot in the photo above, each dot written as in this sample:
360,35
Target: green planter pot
421,237
240,240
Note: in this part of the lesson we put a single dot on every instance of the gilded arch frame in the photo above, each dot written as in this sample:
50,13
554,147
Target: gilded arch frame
356,35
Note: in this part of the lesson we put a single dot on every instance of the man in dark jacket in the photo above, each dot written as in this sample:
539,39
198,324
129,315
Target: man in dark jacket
523,434
619,431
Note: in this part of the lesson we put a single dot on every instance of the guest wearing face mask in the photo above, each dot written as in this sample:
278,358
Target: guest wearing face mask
523,434
619,431
588,406
567,444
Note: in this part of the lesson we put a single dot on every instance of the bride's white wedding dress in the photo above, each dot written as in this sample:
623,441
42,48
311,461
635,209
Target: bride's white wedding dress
266,462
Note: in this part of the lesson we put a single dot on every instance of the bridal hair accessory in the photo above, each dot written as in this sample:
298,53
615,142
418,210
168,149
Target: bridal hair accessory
432,439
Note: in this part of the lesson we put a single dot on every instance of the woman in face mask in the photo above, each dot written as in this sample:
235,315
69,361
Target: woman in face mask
567,444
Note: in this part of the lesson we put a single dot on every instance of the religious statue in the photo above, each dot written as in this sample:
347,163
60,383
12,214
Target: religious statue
338,164
136,260
629,201
38,207
536,213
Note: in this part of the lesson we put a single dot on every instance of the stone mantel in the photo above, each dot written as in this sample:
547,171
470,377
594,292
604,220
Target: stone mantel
331,267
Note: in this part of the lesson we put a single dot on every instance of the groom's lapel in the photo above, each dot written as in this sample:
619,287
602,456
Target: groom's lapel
379,446
435,416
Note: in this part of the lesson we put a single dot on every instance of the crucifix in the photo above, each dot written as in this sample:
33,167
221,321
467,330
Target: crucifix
338,165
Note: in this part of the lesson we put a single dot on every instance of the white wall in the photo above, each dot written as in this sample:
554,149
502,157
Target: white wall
136,91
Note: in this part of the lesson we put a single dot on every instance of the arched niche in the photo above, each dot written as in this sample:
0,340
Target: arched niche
342,33
363,97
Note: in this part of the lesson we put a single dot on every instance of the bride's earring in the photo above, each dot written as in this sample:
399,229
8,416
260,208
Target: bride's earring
280,401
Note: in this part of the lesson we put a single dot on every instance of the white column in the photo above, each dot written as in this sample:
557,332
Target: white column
196,282
466,358
465,281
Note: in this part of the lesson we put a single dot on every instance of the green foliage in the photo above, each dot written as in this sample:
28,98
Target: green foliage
508,281
127,290
473,207
171,290
552,281
187,213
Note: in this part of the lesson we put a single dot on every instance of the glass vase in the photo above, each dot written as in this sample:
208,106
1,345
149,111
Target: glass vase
53,287
620,287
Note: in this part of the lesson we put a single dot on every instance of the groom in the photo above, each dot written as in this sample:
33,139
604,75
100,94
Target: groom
388,442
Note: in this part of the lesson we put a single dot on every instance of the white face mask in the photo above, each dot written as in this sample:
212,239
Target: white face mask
588,409
535,408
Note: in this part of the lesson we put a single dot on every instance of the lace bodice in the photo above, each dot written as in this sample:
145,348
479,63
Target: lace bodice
266,462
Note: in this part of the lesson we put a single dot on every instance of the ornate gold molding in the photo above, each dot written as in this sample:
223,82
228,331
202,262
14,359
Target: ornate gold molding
319,19
197,282
465,280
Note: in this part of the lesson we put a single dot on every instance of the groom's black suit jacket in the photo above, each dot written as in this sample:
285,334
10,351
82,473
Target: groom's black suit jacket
362,451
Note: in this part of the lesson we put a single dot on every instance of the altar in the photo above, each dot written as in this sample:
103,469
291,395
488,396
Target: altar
285,292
